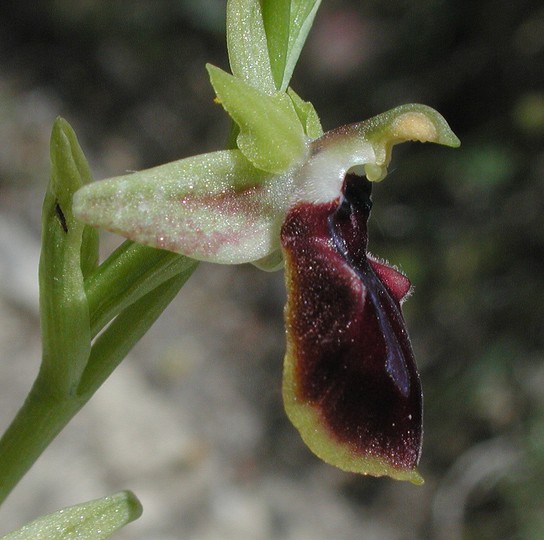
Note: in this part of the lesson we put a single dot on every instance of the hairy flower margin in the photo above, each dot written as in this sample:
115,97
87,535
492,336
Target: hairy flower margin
289,193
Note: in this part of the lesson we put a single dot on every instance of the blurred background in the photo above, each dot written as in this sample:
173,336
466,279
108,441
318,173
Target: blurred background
193,421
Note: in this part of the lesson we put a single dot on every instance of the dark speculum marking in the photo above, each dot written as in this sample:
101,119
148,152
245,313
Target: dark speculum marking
60,215
354,360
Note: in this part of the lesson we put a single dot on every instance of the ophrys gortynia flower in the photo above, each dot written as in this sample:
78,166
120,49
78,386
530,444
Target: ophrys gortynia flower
290,194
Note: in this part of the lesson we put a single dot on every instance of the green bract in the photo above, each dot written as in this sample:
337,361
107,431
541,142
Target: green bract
246,44
287,23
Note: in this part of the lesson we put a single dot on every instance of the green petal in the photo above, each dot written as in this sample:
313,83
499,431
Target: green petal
247,46
271,135
307,115
214,207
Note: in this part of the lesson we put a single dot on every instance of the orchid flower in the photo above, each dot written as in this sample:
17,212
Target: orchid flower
289,194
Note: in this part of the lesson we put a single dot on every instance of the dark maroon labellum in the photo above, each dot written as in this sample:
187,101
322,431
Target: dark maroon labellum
354,363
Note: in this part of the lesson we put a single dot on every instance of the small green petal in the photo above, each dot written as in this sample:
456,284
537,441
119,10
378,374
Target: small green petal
214,207
307,115
247,45
94,520
271,135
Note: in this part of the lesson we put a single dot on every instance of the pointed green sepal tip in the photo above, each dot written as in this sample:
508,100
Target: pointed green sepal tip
271,134
93,520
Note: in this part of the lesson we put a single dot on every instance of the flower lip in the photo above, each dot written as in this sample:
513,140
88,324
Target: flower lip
351,385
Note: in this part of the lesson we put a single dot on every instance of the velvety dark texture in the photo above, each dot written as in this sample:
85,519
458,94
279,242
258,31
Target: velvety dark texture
355,364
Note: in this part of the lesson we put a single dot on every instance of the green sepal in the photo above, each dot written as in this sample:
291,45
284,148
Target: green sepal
93,520
215,207
271,135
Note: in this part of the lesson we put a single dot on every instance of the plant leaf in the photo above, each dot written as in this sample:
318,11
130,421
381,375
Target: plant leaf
93,520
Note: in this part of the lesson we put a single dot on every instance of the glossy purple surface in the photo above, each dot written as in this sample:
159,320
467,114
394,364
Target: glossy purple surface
354,361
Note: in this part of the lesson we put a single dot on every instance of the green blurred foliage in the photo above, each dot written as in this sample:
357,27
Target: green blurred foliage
466,225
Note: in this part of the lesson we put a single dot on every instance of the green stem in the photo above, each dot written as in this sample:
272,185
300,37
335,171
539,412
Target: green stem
44,413
41,418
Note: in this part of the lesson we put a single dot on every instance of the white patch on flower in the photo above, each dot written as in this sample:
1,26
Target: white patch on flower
321,178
